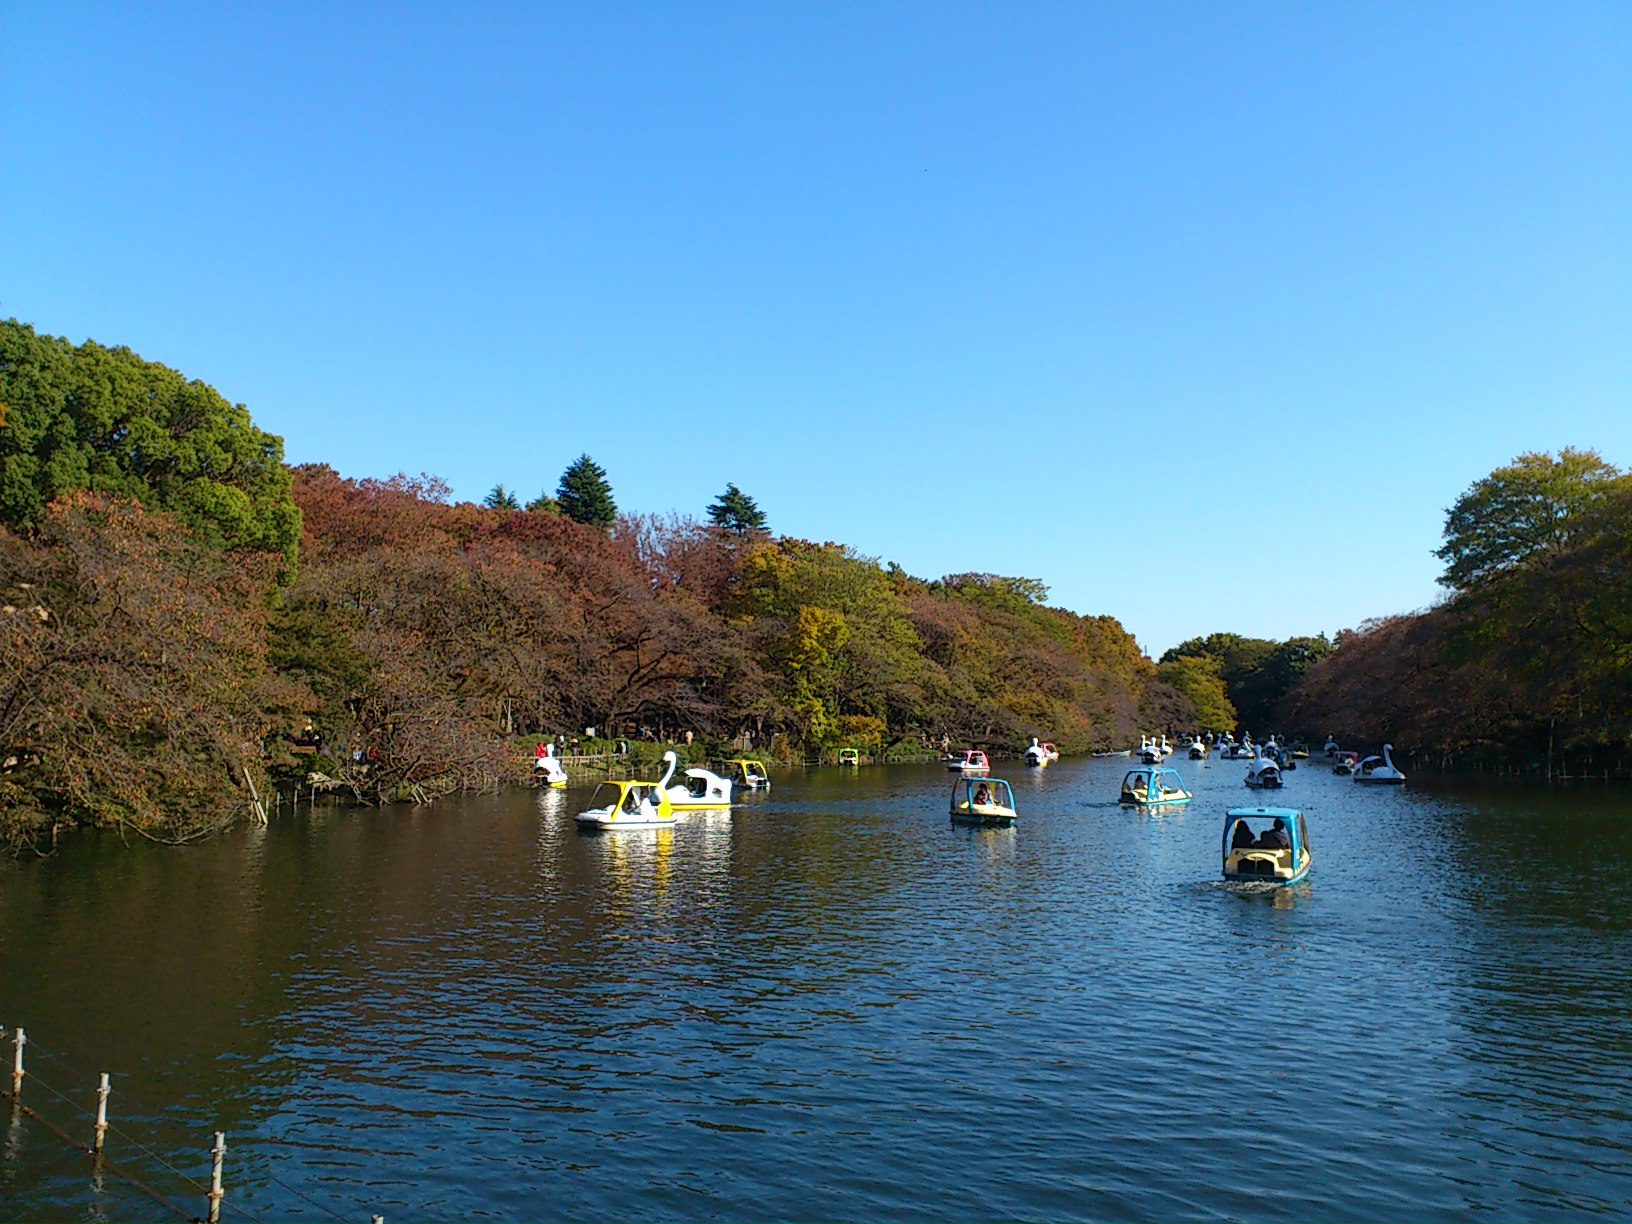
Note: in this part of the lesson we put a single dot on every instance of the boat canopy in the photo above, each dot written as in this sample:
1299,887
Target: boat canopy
982,792
1154,784
631,797
1258,819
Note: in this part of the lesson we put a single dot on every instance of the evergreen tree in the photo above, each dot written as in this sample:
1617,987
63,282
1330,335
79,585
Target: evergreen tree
736,512
500,498
584,494
105,420
544,504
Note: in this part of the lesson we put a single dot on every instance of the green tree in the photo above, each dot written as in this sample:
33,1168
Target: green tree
1518,512
544,504
736,512
1198,678
584,494
501,498
104,420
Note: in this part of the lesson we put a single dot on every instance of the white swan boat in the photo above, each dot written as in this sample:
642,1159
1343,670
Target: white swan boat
547,770
631,805
702,788
1041,754
1198,749
1263,773
1379,769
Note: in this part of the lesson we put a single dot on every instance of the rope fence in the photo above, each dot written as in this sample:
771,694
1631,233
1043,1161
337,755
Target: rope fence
214,1195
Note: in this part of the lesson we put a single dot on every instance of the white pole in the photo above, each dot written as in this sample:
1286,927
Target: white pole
19,1041
102,1090
219,1152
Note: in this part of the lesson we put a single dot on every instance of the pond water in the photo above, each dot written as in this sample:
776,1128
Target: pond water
832,1003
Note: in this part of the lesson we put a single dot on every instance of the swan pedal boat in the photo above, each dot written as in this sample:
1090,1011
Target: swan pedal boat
1040,754
1153,787
967,807
1248,861
1343,763
547,770
1198,749
1263,773
1379,770
702,789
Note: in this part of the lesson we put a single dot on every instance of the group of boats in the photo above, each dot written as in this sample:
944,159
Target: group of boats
1264,845
634,803
1377,770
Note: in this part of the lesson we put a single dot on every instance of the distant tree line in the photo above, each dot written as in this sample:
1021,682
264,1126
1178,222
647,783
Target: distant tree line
176,604
1527,663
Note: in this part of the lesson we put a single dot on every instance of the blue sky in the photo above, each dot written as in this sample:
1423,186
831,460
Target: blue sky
1200,313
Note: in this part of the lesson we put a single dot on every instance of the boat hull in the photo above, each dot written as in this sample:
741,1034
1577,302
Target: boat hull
1279,881
1268,871
991,819
622,820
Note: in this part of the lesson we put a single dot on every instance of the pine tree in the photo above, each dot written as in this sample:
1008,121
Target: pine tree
584,494
500,498
544,504
736,512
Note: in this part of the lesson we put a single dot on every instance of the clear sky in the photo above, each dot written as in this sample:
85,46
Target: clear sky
1200,313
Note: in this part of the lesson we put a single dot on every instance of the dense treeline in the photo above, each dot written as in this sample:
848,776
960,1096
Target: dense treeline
1240,681
177,603
1528,662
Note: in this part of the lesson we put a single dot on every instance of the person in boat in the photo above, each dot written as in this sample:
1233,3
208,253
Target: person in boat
1275,837
982,795
541,752
631,801
1241,839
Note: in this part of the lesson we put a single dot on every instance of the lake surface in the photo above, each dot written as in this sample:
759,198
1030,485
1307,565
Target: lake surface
831,1003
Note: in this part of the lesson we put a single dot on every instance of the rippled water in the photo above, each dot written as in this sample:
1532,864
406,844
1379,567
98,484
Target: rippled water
832,1003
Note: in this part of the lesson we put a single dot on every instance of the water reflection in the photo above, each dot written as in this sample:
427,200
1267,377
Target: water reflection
474,1010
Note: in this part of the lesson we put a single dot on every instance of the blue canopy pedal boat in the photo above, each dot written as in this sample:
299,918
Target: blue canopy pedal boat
982,801
1266,845
1153,786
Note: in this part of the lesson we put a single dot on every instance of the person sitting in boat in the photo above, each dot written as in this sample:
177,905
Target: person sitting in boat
631,801
982,795
1275,837
1241,839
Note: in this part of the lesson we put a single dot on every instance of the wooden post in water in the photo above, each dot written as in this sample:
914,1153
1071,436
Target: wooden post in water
102,1090
255,798
18,1042
219,1153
